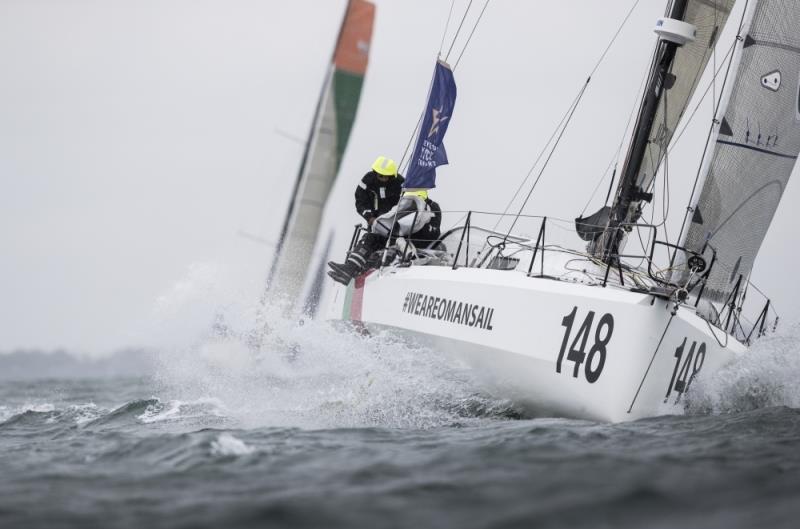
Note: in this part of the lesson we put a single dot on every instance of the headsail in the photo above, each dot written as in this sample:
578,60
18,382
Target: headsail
333,121
674,75
756,145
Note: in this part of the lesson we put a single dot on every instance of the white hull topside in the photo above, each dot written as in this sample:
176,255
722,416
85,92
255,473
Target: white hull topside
553,347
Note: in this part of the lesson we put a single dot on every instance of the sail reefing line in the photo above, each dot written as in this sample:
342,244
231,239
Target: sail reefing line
327,140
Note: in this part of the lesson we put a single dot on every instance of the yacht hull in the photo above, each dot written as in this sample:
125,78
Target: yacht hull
552,347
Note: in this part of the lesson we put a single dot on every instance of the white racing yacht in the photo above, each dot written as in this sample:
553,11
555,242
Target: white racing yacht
576,322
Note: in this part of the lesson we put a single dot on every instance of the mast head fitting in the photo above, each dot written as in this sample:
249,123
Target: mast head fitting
675,31
385,166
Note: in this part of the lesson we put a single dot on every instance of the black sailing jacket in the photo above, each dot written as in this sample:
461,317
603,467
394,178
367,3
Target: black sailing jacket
374,198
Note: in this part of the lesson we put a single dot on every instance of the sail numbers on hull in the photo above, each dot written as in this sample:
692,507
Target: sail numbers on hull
597,352
684,373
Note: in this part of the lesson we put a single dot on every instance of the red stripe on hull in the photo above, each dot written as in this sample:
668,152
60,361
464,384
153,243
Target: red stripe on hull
357,304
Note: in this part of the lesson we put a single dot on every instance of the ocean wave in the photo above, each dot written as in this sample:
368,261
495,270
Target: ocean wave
48,414
765,376
227,445
152,411
314,375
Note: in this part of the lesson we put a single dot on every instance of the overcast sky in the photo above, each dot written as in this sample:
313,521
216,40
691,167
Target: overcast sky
139,141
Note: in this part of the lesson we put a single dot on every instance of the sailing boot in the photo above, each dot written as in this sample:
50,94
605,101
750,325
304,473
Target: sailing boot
355,264
340,273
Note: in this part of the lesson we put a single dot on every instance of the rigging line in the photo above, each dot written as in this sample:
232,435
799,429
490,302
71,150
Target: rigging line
674,142
600,181
665,177
711,329
549,156
610,186
714,64
422,114
625,133
471,33
535,163
618,152
713,122
651,362
460,25
614,38
703,98
410,141
772,305
580,94
446,25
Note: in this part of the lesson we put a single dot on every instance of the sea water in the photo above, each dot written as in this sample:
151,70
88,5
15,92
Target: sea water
324,427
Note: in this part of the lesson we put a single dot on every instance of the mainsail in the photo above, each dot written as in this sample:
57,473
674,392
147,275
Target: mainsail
674,75
330,131
756,145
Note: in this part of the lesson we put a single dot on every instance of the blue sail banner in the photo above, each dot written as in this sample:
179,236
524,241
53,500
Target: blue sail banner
429,152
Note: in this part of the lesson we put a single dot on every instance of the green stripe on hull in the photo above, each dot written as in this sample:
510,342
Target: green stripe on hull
347,306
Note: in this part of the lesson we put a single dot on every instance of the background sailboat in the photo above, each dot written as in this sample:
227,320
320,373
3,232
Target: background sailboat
330,131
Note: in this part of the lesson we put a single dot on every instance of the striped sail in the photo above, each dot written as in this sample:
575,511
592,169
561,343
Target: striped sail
756,144
327,141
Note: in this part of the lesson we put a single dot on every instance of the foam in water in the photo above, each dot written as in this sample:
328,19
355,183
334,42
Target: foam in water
305,373
766,375
313,375
157,411
227,445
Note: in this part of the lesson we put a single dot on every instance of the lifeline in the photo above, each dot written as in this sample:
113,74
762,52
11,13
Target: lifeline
448,310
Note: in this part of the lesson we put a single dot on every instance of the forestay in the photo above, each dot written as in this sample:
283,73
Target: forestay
756,145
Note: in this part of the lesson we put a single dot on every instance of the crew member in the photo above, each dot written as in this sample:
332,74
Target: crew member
379,189
430,233
415,217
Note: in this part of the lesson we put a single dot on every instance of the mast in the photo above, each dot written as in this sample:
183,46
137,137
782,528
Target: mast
626,207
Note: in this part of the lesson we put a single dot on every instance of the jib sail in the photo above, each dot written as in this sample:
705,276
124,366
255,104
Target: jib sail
756,144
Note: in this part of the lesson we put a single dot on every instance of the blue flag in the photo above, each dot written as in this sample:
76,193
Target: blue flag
429,151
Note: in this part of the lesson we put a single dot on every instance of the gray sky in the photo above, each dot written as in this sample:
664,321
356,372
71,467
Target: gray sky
137,139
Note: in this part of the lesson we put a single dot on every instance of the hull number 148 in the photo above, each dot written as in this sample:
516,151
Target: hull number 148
594,359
